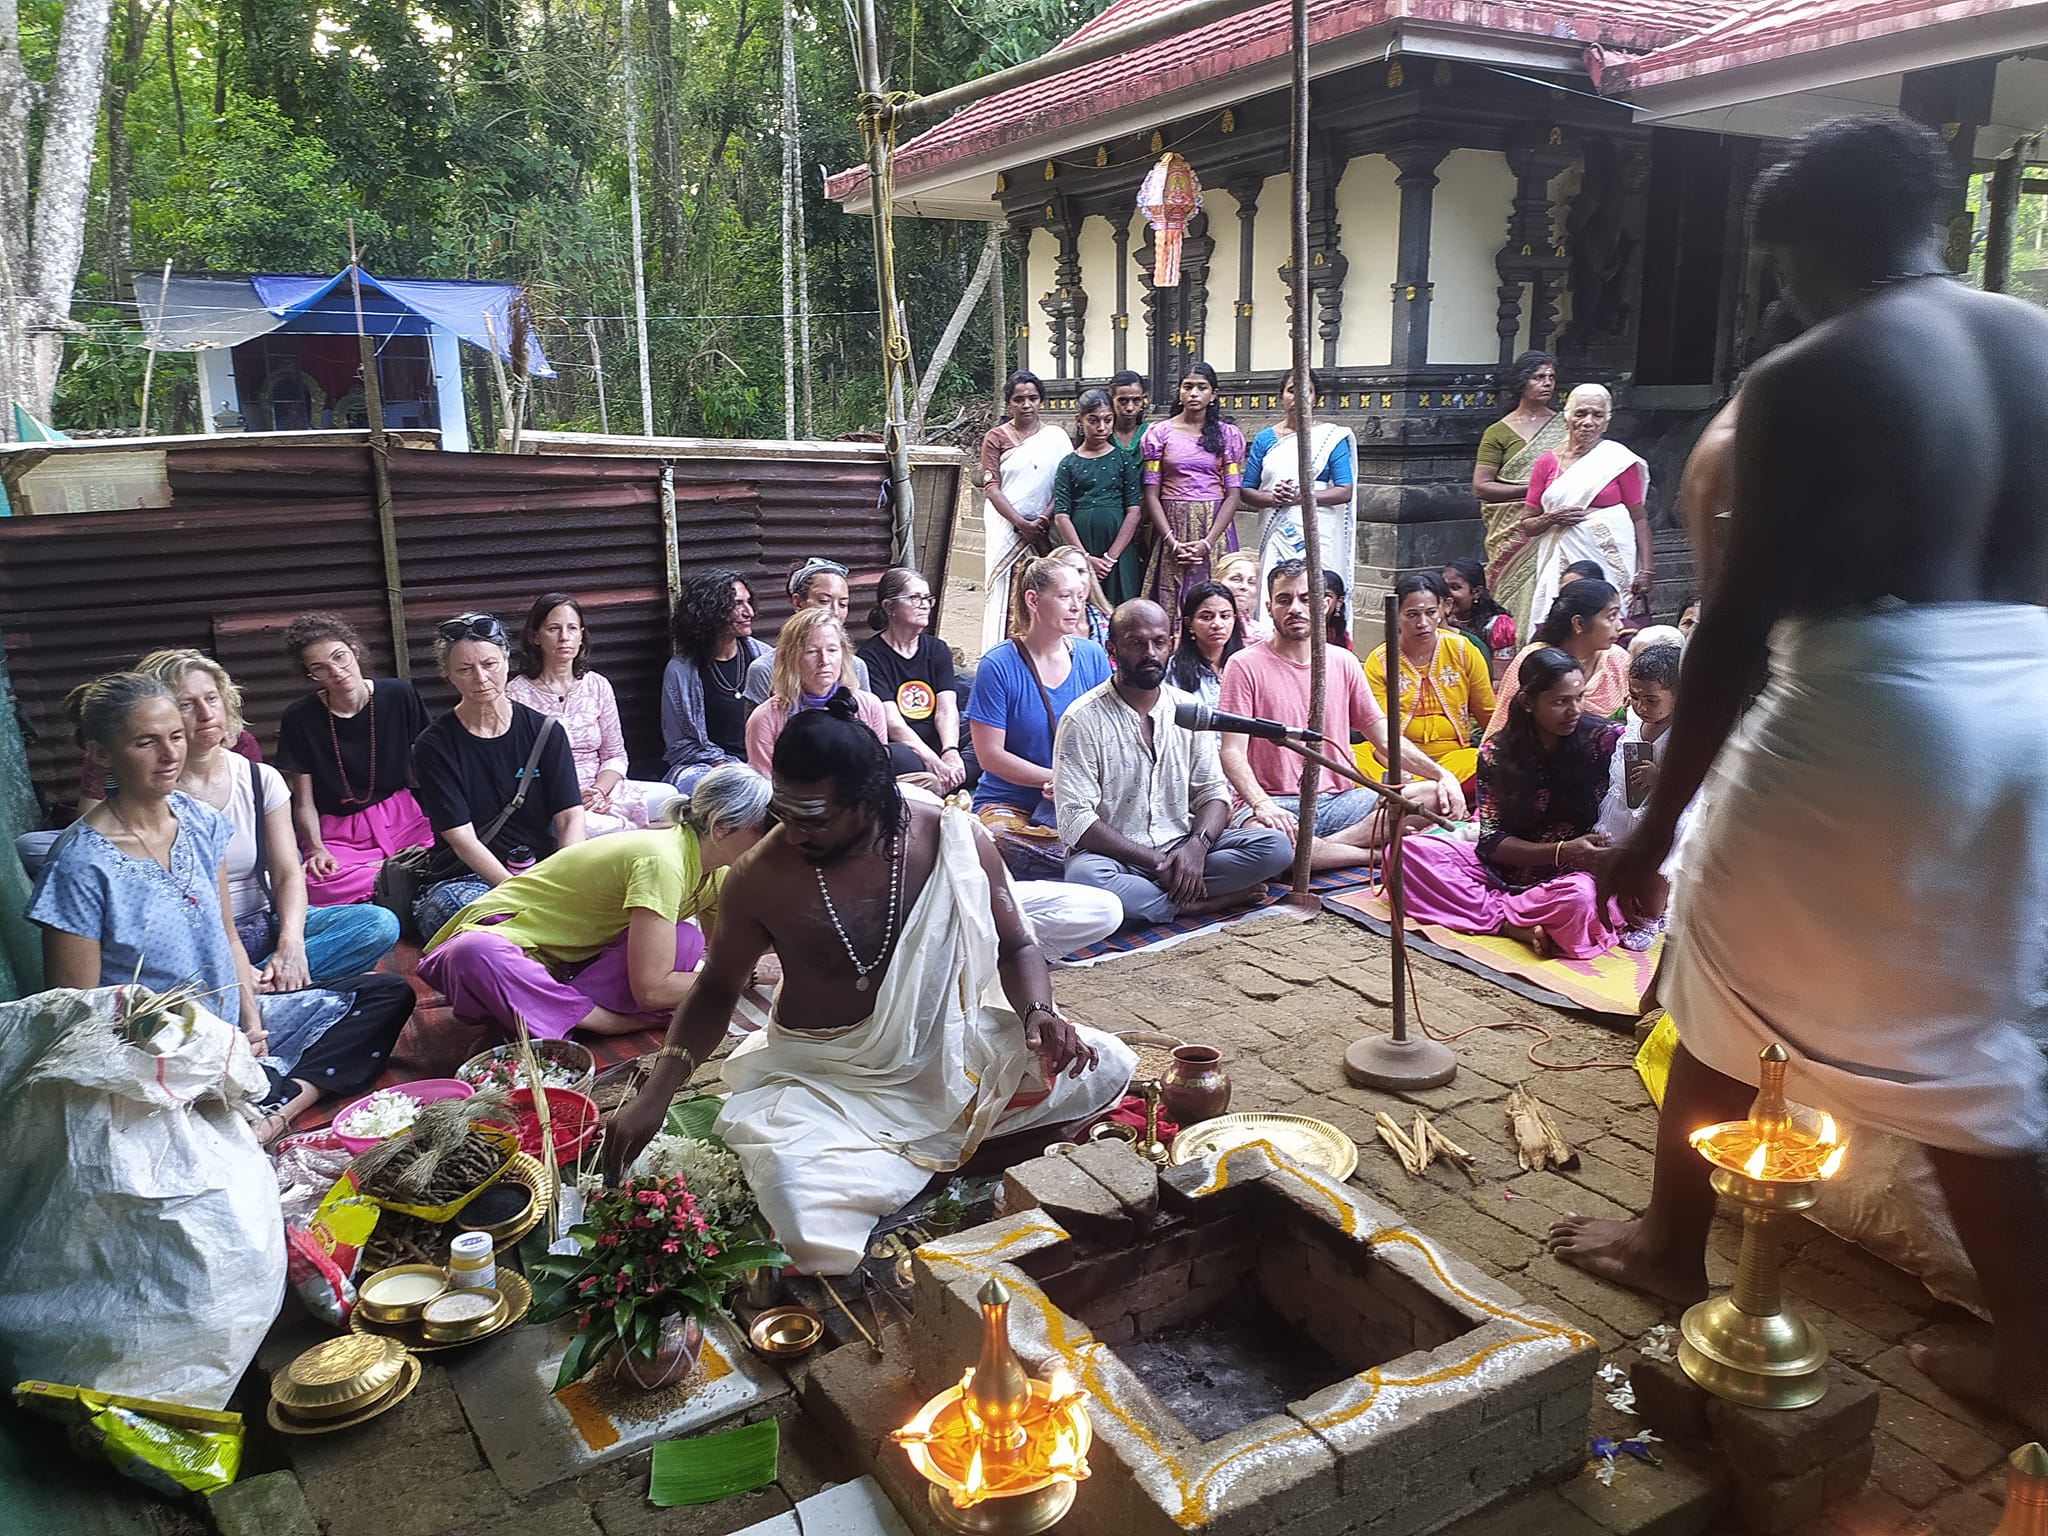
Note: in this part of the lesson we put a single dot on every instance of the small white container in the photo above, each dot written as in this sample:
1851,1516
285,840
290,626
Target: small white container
471,1266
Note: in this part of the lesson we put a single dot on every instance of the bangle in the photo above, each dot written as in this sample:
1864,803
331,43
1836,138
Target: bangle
1557,855
675,1053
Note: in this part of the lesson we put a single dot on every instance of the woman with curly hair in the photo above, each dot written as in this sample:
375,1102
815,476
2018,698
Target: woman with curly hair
1193,465
1542,778
703,691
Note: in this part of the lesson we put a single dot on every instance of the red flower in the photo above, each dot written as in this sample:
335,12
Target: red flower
671,1246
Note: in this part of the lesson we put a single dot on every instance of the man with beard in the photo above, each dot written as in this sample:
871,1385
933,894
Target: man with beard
881,1065
1143,806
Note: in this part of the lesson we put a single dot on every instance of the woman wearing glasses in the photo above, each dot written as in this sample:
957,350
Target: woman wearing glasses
498,779
814,584
913,669
346,751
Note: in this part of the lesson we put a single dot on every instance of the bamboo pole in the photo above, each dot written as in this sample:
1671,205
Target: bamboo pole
1397,900
1304,429
498,372
878,126
163,302
632,110
604,417
380,471
789,178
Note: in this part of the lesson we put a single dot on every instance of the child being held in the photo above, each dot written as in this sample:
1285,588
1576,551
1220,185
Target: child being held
1652,701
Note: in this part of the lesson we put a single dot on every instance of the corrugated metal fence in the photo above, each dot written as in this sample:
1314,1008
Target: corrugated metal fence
257,534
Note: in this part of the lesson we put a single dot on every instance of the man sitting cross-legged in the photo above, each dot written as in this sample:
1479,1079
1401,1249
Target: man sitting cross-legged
1270,681
1143,806
881,1065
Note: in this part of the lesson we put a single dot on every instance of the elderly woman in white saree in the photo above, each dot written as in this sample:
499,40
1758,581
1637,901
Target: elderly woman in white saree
1586,502
1020,459
1272,474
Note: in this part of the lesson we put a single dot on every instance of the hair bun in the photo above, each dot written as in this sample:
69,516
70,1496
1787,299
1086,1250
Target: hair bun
842,705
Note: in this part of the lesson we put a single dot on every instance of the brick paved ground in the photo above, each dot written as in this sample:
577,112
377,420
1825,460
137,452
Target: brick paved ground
1282,999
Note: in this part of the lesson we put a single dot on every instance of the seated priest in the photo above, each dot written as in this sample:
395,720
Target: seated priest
1143,806
882,1064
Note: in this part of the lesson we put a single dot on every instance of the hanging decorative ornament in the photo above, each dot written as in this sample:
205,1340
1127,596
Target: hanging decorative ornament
1169,197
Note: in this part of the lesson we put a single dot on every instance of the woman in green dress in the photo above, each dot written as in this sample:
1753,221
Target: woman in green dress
1500,478
1096,500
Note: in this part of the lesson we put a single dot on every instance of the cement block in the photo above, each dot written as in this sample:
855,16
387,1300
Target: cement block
1687,1496
1080,1204
1129,1177
1774,1506
1670,1402
271,1504
1781,1443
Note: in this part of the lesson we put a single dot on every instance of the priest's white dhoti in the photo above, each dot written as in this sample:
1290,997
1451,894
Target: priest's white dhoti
1866,879
838,1128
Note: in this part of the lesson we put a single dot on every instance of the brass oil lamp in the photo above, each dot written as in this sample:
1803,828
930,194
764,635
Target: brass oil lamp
2026,1493
1001,1451
1748,1346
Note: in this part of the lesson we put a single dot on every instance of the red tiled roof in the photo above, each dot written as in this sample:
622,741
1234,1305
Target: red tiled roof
1113,87
1776,29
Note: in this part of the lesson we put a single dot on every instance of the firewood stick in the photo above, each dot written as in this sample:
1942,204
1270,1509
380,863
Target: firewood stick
1393,1141
1395,1137
1561,1153
1532,1146
1453,1153
1423,1145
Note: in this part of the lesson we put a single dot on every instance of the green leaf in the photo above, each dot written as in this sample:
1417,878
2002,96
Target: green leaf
694,1117
713,1467
752,1256
584,1351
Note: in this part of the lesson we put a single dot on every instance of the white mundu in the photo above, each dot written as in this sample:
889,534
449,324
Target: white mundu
838,1128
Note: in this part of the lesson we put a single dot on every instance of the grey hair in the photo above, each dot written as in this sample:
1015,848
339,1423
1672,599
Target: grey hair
730,798
1598,392
98,709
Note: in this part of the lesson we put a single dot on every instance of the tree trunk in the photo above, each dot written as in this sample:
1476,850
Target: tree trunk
118,255
171,65
667,146
43,250
728,120
942,354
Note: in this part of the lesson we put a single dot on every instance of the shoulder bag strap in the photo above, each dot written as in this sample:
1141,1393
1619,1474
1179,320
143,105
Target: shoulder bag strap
1052,719
540,740
262,843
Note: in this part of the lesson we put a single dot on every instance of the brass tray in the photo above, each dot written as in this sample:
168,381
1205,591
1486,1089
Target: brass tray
1314,1144
284,1424
530,1174
512,1285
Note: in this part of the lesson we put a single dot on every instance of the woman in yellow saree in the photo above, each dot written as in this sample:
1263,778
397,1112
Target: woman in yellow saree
1508,450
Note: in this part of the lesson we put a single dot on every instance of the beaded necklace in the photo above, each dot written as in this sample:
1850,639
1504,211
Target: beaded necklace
348,794
862,971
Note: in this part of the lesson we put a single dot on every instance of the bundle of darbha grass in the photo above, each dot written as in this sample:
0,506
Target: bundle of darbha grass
441,1158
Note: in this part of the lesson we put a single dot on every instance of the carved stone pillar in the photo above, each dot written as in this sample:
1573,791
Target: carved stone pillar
1327,261
1247,195
1196,250
1016,246
1120,321
1955,101
1603,239
1067,303
1415,166
1531,259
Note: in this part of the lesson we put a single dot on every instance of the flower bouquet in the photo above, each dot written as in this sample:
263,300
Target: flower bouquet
653,1263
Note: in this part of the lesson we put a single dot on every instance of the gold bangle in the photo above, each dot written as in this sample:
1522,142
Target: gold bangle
675,1053
1557,855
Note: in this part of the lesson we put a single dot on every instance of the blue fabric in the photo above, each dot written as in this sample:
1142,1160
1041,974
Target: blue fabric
442,900
458,307
344,941
163,928
1337,468
1006,696
1334,812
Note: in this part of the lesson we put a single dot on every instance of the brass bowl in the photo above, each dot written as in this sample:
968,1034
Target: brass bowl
285,1422
527,1173
461,1330
398,1312
786,1330
334,1379
512,1286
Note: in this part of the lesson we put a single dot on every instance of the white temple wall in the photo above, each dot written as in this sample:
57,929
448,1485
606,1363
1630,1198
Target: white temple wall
1097,247
1041,250
1219,324
1368,206
1272,348
1475,195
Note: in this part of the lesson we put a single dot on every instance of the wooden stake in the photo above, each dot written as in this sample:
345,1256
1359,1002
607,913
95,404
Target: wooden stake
163,302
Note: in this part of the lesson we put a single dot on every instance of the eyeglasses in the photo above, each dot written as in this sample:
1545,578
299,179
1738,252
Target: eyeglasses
471,626
915,599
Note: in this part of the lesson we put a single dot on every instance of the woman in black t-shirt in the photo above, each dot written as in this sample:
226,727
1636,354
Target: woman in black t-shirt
346,751
473,761
910,667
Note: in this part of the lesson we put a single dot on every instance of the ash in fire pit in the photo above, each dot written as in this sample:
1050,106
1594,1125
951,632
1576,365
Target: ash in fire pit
1216,1376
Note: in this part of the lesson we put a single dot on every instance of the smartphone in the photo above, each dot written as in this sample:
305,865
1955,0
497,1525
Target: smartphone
1632,754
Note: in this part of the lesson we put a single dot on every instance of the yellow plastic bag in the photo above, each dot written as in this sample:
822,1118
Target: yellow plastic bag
1653,1058
166,1447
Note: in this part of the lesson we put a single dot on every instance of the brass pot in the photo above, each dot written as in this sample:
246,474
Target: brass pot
1194,1086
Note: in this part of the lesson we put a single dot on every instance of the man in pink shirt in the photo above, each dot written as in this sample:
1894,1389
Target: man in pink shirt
1270,681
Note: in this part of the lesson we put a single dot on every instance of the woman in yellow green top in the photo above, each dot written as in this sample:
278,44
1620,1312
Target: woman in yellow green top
598,936
1446,682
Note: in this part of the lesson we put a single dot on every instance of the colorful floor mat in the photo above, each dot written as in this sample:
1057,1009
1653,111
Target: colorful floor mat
1154,934
1612,983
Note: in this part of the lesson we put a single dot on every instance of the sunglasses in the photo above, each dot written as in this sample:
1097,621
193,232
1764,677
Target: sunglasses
471,626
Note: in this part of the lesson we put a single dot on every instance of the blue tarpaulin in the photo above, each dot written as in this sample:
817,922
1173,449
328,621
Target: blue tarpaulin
458,307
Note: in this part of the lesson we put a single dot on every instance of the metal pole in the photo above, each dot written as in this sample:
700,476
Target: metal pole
380,473
1304,422
1396,898
633,205
163,302
878,126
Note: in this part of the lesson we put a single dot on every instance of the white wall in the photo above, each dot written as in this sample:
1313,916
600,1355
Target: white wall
1368,208
1219,326
1271,348
1041,250
1097,246
1475,194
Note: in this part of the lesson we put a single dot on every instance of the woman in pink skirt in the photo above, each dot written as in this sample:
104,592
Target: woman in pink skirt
346,751
1542,777
599,935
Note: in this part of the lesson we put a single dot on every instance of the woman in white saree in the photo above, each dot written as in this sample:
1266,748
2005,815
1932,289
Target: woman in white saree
1586,502
1019,461
1272,470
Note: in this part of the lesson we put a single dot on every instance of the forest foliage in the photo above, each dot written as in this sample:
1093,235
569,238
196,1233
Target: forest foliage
486,139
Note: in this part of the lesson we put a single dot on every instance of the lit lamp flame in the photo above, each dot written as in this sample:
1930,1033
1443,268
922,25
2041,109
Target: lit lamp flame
1013,1446
1755,1166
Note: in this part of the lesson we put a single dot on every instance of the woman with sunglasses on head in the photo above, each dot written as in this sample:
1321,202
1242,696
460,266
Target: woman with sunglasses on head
137,891
814,584
498,779
555,679
346,751
913,668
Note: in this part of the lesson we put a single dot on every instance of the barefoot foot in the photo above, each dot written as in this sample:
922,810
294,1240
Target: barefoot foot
1977,1373
1617,1252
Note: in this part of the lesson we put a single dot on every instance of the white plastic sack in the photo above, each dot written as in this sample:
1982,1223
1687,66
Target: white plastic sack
141,1249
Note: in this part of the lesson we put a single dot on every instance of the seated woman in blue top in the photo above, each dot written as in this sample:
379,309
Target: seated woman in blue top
137,891
1024,685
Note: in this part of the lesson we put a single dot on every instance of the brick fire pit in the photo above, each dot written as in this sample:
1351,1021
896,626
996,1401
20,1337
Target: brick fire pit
1267,1350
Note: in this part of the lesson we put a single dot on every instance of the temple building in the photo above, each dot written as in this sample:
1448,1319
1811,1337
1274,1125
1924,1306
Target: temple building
1486,176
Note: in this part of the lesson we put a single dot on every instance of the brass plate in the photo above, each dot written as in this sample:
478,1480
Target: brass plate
337,1377
284,1423
786,1330
1314,1144
512,1285
530,1174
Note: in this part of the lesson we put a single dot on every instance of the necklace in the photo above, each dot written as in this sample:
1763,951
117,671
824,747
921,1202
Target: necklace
739,674
162,865
348,793
862,971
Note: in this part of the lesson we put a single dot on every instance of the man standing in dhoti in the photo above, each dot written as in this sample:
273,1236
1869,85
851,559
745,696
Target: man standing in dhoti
1867,879
882,1064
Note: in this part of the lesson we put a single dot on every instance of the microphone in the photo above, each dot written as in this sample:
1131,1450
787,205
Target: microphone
1194,715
